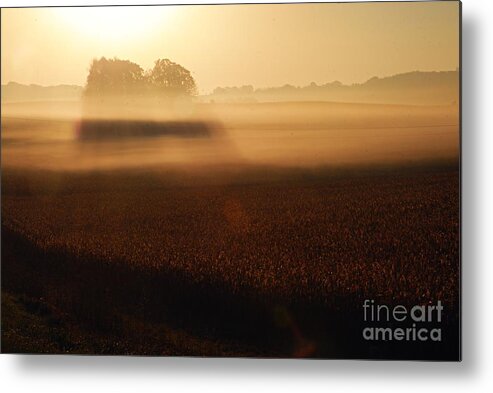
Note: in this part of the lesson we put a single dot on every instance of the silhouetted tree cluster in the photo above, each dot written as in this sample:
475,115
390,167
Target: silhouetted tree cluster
123,77
172,77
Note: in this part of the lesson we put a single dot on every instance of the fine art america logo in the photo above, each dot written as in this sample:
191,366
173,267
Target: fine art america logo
401,323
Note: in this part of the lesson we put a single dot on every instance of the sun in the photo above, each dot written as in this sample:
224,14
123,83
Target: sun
114,24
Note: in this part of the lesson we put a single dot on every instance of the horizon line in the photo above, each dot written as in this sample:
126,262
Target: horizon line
457,69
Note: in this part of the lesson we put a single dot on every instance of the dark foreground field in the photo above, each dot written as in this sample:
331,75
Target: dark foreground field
275,264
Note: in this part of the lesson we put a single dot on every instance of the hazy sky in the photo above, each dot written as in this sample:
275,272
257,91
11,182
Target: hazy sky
231,45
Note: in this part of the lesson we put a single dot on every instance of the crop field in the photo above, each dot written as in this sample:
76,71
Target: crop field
134,262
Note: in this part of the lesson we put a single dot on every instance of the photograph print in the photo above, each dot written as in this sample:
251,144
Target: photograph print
232,180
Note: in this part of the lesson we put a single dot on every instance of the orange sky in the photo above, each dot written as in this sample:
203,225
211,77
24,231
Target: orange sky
261,45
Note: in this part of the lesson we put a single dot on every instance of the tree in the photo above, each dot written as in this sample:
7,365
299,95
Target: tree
171,78
114,76
123,78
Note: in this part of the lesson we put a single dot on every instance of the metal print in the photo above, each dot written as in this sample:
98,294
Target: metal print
257,180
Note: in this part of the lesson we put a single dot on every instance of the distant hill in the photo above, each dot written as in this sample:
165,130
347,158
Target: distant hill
415,88
412,88
16,92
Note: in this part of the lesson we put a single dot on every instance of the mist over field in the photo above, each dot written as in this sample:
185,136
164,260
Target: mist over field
237,229
296,134
401,119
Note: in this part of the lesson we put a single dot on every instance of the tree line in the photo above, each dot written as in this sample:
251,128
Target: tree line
123,77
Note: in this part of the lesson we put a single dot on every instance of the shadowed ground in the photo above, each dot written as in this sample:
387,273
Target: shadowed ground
259,262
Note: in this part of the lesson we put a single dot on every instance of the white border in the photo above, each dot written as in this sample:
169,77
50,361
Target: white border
119,374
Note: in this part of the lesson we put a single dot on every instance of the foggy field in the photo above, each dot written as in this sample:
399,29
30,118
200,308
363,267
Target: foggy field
280,134
261,238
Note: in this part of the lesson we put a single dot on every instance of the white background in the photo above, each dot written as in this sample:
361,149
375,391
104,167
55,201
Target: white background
475,373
